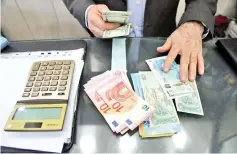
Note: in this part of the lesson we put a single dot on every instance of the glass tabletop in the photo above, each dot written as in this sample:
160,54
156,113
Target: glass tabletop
216,131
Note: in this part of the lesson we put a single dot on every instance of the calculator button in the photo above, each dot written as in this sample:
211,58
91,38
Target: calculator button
58,67
33,73
61,93
45,64
36,89
49,72
29,84
47,78
50,68
59,62
38,84
57,72
55,78
64,77
52,63
54,83
36,67
67,63
34,94
61,88
46,83
66,67
63,83
44,89
31,79
43,68
40,78
41,73
26,95
46,94
27,90
52,88
65,73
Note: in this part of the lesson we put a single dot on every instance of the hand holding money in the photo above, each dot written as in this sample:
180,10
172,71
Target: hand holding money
121,17
96,24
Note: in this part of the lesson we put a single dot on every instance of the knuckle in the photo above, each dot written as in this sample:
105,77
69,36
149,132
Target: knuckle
193,59
176,47
172,55
188,42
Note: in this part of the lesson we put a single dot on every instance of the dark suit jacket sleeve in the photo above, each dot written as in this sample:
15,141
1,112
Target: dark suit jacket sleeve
202,11
78,8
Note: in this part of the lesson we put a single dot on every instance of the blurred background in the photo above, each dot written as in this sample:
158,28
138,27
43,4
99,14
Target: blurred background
50,19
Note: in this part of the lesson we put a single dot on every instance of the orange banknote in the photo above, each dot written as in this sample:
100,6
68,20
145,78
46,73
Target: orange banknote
121,98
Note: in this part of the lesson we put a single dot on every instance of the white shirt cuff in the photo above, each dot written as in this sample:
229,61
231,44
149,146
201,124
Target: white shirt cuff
206,31
86,15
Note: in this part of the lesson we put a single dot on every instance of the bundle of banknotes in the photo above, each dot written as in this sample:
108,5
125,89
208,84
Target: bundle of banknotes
158,89
113,96
151,106
121,17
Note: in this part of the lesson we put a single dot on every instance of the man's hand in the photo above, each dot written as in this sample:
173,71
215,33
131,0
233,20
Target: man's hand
95,22
186,41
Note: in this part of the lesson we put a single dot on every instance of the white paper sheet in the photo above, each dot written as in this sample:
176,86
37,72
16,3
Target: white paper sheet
13,76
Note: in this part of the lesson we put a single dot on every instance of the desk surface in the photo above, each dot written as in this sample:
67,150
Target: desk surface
216,131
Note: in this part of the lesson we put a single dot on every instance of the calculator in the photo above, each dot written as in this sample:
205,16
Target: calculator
43,104
48,81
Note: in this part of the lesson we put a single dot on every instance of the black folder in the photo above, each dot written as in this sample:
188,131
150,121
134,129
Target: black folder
228,49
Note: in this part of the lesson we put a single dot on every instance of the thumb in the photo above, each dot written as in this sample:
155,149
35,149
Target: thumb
102,7
165,47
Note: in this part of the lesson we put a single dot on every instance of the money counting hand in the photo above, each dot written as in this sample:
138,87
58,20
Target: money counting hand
43,104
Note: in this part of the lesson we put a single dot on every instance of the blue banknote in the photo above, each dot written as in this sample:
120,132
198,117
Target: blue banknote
137,84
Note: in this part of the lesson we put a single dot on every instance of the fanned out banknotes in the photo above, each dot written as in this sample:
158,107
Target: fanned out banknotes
121,17
113,96
158,89
185,94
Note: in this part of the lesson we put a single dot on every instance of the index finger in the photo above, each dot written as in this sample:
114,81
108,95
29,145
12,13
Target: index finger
171,57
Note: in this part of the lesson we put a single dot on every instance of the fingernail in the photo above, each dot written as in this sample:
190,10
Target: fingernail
158,48
191,77
201,72
182,77
166,69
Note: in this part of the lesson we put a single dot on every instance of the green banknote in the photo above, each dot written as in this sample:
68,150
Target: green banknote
190,103
164,119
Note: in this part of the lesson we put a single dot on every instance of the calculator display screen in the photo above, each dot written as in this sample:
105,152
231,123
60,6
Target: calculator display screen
23,113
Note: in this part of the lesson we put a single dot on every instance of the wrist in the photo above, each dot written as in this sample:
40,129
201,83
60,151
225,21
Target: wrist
196,26
86,15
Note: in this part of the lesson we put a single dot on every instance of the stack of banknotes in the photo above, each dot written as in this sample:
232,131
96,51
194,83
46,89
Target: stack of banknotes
113,96
151,106
159,89
121,17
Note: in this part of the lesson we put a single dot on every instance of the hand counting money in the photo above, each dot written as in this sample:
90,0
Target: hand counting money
170,82
121,17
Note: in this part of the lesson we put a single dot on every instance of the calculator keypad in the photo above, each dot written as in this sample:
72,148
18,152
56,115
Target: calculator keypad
49,77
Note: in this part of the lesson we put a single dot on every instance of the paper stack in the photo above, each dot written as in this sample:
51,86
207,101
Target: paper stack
14,71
